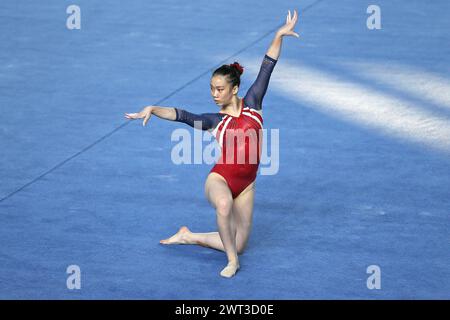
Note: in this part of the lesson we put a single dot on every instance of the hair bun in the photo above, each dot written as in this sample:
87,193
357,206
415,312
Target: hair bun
238,67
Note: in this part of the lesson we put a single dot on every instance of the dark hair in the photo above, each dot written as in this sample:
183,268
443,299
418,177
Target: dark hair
233,71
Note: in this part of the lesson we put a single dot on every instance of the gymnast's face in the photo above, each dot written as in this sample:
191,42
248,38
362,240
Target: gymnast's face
221,90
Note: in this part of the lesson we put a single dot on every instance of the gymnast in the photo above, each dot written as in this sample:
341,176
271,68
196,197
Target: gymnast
230,186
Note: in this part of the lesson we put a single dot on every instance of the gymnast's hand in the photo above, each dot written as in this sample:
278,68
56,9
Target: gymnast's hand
288,28
145,114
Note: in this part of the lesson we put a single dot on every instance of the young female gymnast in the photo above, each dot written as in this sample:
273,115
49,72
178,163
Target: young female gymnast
230,187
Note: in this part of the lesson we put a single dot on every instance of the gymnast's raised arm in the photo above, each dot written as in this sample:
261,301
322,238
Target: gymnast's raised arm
255,94
286,30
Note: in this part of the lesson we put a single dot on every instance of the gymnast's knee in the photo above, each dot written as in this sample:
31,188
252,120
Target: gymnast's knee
223,206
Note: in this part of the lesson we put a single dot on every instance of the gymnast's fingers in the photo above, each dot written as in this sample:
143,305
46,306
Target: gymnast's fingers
147,117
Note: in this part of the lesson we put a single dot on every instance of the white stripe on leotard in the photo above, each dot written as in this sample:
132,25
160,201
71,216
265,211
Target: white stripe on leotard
223,131
214,132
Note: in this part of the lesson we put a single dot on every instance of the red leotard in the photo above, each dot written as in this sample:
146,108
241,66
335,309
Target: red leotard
242,136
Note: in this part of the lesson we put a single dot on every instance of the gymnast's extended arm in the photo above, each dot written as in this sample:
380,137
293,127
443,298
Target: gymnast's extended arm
167,113
204,121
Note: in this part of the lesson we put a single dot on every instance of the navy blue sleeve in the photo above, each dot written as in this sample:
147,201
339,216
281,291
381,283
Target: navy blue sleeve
208,120
253,98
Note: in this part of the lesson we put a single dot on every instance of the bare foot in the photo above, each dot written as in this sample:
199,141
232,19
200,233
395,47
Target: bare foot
179,238
230,270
